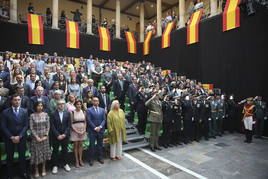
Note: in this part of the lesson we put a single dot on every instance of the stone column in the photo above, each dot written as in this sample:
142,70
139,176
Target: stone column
55,9
159,17
141,21
117,19
182,13
89,16
213,8
13,11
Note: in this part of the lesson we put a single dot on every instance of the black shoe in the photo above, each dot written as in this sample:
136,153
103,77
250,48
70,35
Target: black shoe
158,148
152,149
214,137
206,138
169,145
9,177
165,146
25,176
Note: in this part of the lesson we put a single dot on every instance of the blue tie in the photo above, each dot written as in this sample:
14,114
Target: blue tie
104,100
16,112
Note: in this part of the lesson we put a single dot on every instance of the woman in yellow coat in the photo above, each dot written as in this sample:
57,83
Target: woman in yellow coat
117,130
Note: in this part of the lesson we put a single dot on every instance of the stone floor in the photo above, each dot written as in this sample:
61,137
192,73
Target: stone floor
224,157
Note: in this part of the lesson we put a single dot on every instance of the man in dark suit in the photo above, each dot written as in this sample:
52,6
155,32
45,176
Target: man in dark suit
19,79
120,87
96,120
104,99
132,92
47,82
60,123
40,97
91,88
4,75
142,110
15,123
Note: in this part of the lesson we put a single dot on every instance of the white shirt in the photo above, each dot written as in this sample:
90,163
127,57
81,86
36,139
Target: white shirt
18,109
61,115
96,109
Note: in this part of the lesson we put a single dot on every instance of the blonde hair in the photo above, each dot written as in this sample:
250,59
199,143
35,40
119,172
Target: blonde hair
114,103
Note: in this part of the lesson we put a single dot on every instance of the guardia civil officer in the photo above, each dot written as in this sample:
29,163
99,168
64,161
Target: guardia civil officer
167,122
196,105
221,114
142,110
187,119
212,121
205,114
261,115
176,121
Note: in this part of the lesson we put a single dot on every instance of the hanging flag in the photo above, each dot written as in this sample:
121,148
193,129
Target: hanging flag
207,86
77,62
35,29
105,41
146,43
131,42
231,15
166,35
72,34
193,27
165,72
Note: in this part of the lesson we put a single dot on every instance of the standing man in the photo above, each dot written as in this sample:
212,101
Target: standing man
221,114
96,120
40,97
120,87
261,115
187,119
231,112
60,124
15,123
155,118
212,121
4,75
132,92
205,116
104,99
167,122
142,110
196,121
91,88
3,91
248,111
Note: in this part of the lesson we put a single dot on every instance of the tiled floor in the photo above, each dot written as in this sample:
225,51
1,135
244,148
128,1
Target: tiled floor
224,157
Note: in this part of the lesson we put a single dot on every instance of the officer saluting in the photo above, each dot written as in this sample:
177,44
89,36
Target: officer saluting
221,114
261,115
155,119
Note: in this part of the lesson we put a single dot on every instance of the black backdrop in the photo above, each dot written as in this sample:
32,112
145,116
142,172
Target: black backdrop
235,61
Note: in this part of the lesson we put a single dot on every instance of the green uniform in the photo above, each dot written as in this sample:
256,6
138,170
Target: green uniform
221,116
213,119
155,119
261,114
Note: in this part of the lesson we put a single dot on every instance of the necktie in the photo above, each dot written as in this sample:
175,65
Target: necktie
16,112
97,110
104,100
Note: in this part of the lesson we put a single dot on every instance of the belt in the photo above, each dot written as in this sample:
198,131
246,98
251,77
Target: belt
155,112
214,111
220,110
78,122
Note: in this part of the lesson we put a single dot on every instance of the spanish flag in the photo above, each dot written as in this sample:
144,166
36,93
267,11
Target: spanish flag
166,35
105,41
207,86
131,42
193,29
72,34
146,43
35,29
231,15
165,72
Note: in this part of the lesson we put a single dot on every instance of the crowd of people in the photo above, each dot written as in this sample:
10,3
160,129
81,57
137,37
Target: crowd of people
62,100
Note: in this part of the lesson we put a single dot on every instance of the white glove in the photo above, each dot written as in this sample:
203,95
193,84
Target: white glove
192,118
223,116
209,119
265,118
216,118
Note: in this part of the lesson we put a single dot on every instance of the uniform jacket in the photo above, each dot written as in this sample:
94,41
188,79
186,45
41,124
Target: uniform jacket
155,109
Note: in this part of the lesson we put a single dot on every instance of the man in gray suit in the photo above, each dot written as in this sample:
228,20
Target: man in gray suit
155,119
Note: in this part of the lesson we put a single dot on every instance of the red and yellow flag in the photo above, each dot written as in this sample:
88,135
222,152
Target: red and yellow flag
207,86
165,72
131,42
166,35
72,34
146,43
231,15
193,27
105,41
35,29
